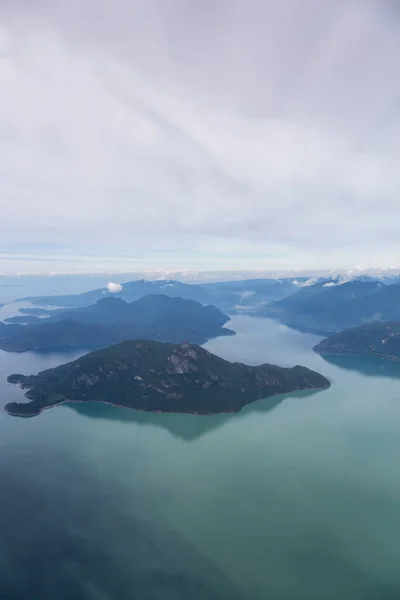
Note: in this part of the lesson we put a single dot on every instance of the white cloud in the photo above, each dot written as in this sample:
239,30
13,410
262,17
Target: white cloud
114,288
150,146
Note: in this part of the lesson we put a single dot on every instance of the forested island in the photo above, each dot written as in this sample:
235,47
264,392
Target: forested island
153,376
111,320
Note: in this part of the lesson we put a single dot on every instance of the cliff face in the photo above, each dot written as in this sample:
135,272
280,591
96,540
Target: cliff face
161,377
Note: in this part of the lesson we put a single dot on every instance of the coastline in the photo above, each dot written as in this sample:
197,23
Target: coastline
161,412
360,355
61,348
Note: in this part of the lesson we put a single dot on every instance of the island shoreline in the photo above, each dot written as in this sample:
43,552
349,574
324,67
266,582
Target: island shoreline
360,355
160,412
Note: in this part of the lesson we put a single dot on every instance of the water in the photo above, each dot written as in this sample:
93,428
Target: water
294,498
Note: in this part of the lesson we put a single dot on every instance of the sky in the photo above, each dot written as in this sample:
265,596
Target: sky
226,134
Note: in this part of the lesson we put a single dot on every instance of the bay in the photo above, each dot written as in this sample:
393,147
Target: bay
293,498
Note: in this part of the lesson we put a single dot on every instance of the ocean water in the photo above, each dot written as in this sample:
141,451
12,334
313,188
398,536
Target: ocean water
293,498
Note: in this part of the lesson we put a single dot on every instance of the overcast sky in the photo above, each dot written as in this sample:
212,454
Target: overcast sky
183,134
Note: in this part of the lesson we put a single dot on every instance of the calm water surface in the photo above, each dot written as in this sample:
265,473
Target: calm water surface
294,498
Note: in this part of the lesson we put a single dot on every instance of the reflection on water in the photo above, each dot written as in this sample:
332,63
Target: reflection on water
185,427
63,546
67,534
293,498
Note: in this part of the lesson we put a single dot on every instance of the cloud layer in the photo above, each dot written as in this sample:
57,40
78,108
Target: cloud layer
192,134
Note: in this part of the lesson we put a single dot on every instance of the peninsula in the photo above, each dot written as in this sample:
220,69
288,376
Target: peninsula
154,376
373,339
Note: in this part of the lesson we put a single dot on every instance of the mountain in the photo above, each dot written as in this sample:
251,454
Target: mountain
250,294
328,307
145,311
112,320
372,339
152,376
386,275
227,295
132,290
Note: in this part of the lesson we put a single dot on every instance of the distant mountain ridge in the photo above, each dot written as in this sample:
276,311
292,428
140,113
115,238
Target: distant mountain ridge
328,307
251,294
227,295
318,305
131,290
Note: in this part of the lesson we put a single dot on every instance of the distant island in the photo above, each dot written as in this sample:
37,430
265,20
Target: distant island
111,320
153,376
373,339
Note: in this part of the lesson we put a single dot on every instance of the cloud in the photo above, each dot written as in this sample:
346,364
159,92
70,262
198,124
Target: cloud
229,134
114,288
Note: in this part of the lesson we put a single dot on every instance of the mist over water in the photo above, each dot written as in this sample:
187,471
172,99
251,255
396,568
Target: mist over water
294,498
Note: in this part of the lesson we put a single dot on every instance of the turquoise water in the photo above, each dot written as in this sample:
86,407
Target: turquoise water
294,498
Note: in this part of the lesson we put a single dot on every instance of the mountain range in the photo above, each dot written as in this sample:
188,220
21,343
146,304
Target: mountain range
318,305
330,306
227,295
130,291
111,320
